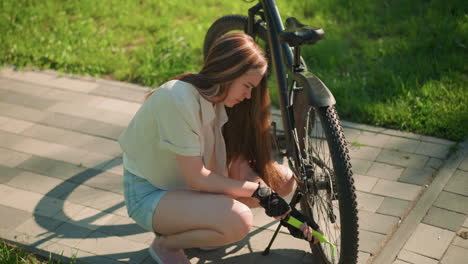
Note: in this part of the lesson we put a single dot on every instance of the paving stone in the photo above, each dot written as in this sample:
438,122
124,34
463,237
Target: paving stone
28,201
444,218
94,198
436,140
126,228
363,257
105,245
436,241
370,242
402,134
398,190
464,165
373,139
38,229
7,173
120,92
417,176
13,125
106,181
11,217
433,149
28,76
50,167
455,255
368,202
364,183
402,144
453,202
46,133
351,134
70,235
458,183
101,129
21,112
402,159
11,158
434,163
459,241
114,166
259,239
119,106
69,84
364,152
393,206
23,87
65,253
63,121
378,223
49,186
362,126
411,257
360,166
385,171
27,100
465,224
261,220
9,140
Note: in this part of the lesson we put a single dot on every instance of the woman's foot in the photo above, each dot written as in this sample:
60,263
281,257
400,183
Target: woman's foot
164,256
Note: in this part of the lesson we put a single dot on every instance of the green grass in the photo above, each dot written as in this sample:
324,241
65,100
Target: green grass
10,254
393,63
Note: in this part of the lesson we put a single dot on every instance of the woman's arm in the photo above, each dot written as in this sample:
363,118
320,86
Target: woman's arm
200,178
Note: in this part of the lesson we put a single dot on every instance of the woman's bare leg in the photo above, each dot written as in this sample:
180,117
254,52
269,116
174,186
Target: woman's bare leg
190,219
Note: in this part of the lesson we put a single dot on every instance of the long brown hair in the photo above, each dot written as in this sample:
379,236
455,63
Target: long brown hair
247,132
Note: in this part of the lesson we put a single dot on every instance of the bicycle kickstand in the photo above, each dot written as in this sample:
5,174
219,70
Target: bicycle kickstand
267,249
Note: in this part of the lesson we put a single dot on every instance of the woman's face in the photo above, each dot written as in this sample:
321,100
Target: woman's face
241,88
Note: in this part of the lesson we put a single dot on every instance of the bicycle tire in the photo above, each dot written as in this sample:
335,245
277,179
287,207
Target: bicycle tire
323,146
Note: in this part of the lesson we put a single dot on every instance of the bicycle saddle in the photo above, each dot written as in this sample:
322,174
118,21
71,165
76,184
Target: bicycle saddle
296,33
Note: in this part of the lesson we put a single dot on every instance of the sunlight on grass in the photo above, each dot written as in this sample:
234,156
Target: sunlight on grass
398,64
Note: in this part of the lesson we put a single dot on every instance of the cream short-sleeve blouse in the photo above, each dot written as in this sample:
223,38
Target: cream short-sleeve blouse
175,119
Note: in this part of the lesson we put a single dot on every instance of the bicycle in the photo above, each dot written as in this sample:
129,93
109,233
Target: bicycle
314,140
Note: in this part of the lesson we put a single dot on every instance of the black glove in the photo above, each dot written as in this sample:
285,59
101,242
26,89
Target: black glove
274,205
297,232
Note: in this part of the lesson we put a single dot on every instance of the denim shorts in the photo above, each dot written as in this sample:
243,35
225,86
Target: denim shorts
141,199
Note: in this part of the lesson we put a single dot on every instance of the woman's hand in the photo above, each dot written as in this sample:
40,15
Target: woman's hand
307,231
274,205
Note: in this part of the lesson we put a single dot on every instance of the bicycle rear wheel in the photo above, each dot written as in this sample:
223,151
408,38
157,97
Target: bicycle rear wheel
328,193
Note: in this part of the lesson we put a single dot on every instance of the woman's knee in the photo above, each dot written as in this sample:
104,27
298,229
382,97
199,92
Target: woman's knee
238,222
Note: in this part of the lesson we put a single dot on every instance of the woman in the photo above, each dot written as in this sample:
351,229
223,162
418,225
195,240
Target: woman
197,154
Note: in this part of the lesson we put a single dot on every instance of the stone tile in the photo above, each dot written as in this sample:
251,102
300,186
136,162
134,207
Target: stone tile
49,186
398,190
364,152
385,171
25,76
22,87
360,166
101,129
351,134
261,220
69,84
370,242
103,244
402,159
63,121
464,165
411,257
436,140
7,173
46,133
11,218
27,100
398,133
38,229
417,176
378,223
434,163
363,257
11,158
114,166
97,199
259,239
364,183
453,202
455,255
442,218
433,149
13,125
362,126
368,202
70,235
106,181
9,140
126,228
119,106
65,253
399,262
459,241
373,139
458,183
21,112
436,241
402,144
50,167
120,92
28,201
465,224
393,206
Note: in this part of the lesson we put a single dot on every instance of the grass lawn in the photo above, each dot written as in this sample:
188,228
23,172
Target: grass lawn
393,63
10,254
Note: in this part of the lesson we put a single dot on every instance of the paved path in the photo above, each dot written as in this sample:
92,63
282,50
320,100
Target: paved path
61,167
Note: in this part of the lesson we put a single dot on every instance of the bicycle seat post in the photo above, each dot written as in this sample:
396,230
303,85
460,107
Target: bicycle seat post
297,67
